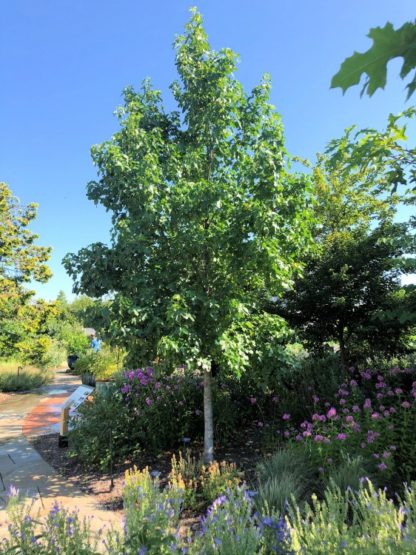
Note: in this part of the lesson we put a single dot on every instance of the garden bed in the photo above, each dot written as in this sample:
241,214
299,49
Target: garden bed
245,453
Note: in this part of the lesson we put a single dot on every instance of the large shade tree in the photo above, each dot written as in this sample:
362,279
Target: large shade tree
206,219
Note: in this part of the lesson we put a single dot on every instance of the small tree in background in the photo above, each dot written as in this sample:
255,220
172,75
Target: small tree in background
22,322
350,290
206,219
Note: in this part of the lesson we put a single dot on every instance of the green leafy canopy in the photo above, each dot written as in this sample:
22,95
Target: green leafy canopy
207,220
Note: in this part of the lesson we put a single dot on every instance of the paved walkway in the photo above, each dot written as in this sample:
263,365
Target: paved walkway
34,414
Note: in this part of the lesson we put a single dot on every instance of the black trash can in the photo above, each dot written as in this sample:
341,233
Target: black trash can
71,360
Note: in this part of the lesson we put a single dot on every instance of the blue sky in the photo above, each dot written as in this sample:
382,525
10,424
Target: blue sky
65,62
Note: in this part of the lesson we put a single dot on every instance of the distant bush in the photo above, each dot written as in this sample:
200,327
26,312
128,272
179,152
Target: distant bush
54,357
74,339
16,378
102,364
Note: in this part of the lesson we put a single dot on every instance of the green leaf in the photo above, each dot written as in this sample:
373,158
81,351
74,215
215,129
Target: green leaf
388,43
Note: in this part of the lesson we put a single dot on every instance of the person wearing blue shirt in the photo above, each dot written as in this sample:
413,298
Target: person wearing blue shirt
95,344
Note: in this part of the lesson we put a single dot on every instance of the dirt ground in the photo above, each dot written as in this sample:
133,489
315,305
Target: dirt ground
245,453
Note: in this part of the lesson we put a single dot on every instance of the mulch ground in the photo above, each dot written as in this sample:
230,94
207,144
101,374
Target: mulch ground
245,453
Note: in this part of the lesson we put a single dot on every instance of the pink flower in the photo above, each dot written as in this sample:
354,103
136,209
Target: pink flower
342,437
355,408
381,466
299,437
386,413
386,454
148,401
363,445
349,419
315,398
253,400
353,383
260,424
375,416
366,375
286,433
157,385
367,404
286,416
406,405
398,391
331,413
319,438
342,401
275,399
315,417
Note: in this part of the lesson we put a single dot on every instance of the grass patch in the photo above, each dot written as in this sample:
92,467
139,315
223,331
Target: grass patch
14,377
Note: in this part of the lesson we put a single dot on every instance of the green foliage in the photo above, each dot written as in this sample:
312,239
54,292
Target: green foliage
217,478
364,522
381,160
100,436
350,290
13,377
102,364
361,523
228,528
92,313
59,532
348,473
185,475
22,322
388,43
347,289
288,474
152,516
21,259
73,338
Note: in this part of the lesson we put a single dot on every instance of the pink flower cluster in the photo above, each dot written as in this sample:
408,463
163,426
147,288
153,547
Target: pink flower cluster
361,413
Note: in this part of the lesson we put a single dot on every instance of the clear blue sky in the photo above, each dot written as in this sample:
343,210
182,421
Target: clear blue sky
64,64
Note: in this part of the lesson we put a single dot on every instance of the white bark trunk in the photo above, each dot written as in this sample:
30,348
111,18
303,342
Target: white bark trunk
208,419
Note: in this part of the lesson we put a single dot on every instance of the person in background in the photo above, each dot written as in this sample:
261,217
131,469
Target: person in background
95,343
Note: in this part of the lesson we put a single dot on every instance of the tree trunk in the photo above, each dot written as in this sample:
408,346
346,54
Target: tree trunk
208,419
